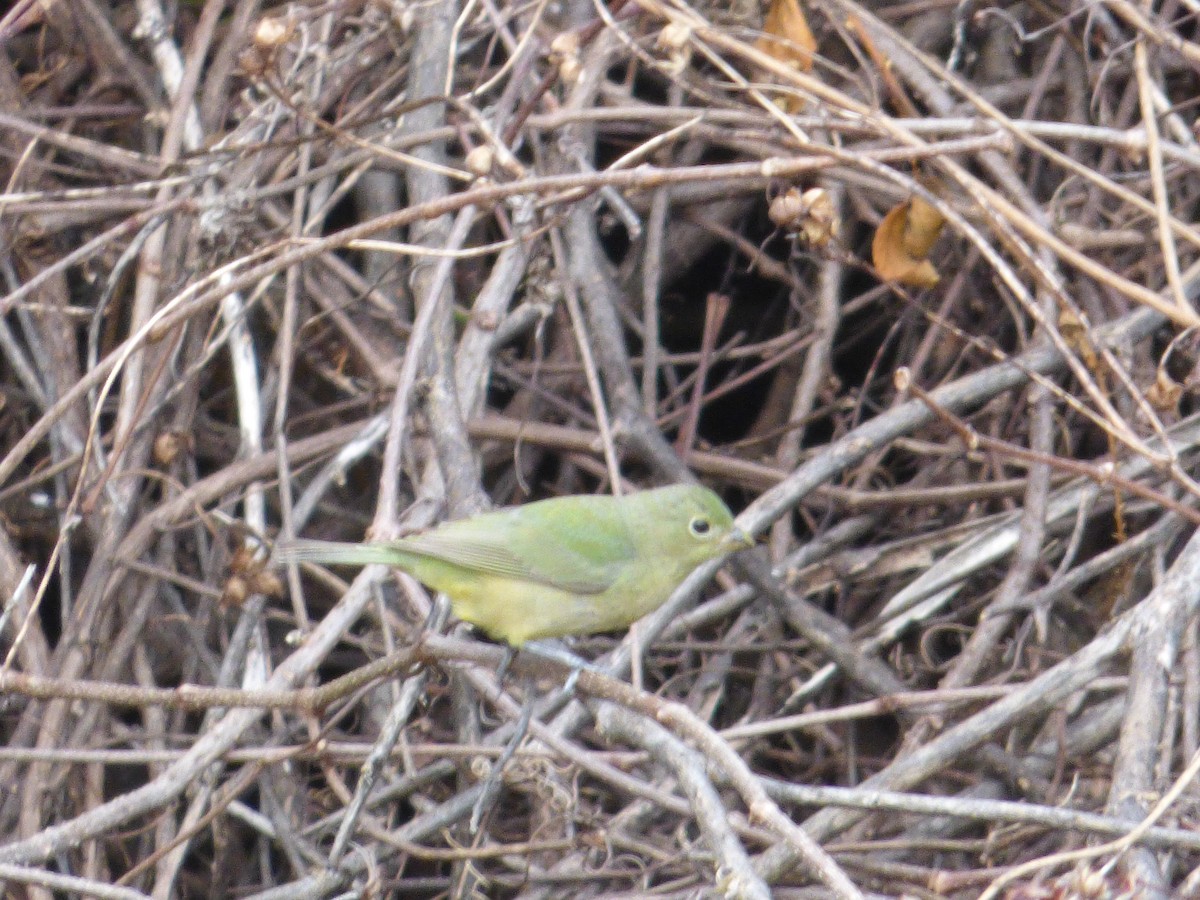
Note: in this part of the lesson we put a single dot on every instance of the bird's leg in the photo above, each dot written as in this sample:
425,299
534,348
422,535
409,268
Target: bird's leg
492,782
439,613
560,654
551,651
505,662
568,687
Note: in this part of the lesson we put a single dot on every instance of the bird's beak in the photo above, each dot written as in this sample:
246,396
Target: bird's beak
736,540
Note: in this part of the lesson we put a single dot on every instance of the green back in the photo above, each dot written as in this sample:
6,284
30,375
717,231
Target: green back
575,544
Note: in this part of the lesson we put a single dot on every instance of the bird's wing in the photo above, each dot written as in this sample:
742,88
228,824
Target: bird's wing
556,546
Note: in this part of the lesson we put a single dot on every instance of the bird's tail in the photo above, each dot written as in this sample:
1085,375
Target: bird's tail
335,553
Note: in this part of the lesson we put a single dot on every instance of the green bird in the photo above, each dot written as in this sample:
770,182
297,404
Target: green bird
565,566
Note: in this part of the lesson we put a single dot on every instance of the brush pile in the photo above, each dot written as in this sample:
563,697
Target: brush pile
912,286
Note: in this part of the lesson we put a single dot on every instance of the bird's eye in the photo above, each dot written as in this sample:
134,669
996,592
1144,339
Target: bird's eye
699,526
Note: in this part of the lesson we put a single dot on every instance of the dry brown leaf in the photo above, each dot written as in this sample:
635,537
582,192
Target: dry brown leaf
809,215
1164,395
903,241
248,574
169,444
1075,333
923,228
676,40
786,35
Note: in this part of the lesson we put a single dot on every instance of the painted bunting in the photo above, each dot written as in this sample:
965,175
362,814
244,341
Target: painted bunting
565,566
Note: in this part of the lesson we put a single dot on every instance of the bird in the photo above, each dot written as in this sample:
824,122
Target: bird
566,566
